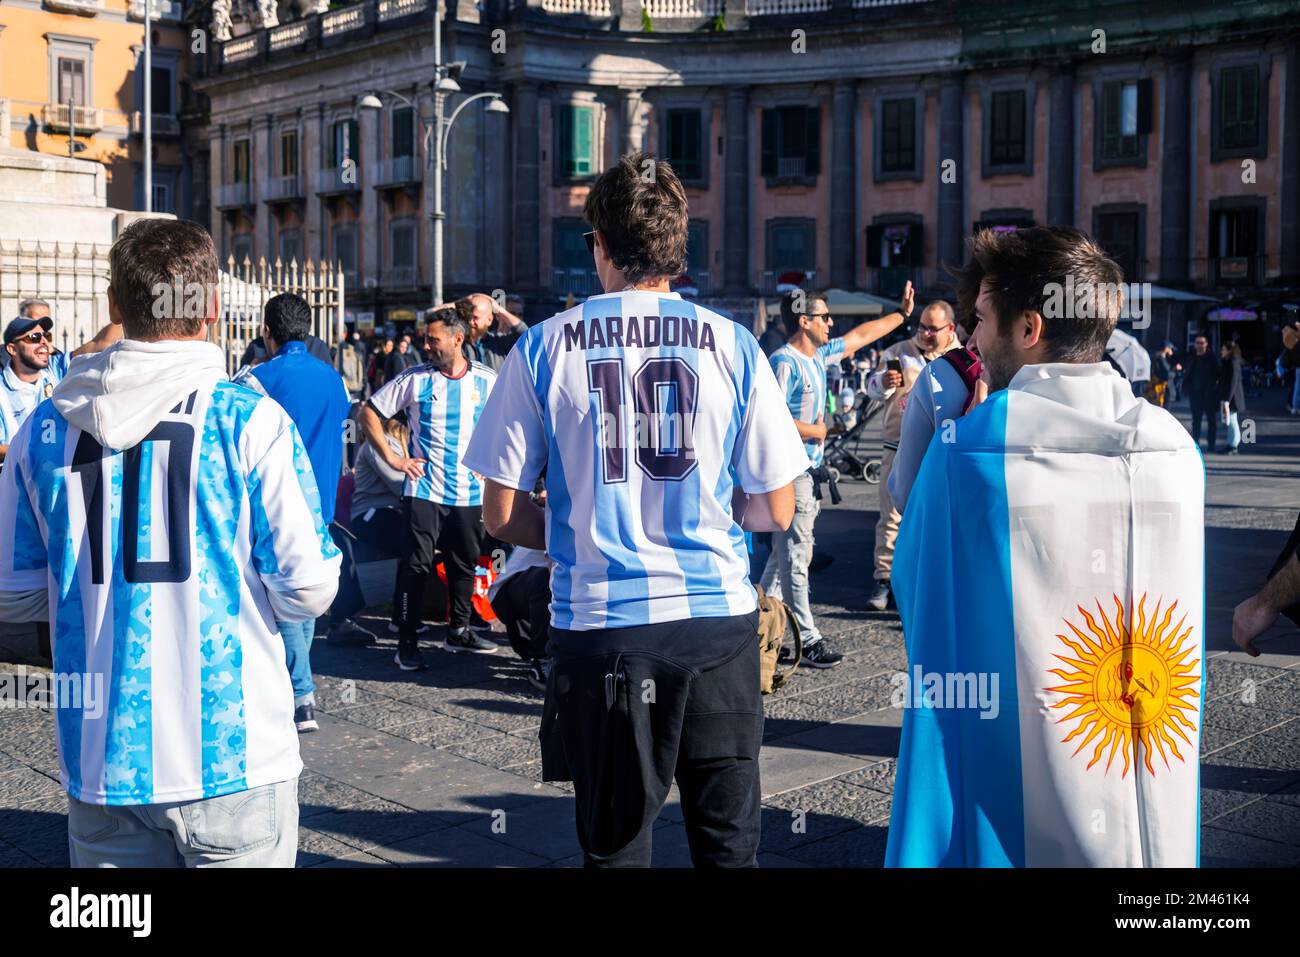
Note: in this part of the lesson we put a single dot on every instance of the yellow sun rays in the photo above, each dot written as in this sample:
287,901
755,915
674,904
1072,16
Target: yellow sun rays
1128,684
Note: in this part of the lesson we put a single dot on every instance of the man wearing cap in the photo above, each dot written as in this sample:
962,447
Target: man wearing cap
35,368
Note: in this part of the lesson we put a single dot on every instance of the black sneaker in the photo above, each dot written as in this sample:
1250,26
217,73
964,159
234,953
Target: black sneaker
820,561
879,599
539,669
468,641
304,718
408,655
820,655
422,630
345,629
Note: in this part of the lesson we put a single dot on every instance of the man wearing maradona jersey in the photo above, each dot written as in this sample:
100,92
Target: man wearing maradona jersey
163,519
640,406
442,501
800,368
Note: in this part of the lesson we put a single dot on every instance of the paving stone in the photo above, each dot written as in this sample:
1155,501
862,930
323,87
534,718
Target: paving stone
455,847
356,859
860,847
499,750
504,711
338,695
1220,848
1270,820
878,776
318,794
24,786
1244,717
1279,748
546,828
315,848
375,822
384,715
441,730
11,856
873,736
1225,677
782,768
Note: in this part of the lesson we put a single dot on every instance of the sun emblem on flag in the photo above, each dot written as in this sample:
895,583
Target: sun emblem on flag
1128,684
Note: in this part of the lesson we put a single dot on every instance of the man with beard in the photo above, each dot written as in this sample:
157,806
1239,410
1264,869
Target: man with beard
493,330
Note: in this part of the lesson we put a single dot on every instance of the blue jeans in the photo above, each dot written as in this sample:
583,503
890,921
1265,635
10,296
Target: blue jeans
297,637
1295,391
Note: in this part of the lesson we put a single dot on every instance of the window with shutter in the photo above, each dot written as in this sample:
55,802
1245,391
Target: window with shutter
72,81
684,143
577,141
898,136
403,132
1239,126
289,153
1007,128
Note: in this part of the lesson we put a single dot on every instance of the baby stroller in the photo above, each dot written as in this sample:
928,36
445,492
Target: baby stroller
846,454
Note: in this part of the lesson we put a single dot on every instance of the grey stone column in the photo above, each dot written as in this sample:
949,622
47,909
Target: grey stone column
950,231
1176,172
216,176
311,159
633,131
1290,213
735,194
844,205
527,225
370,146
260,169
1062,150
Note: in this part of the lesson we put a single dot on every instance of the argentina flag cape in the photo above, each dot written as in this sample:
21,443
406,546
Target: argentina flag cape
1052,552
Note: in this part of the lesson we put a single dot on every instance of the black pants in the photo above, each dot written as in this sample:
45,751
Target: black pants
630,709
456,530
383,529
523,605
350,599
1208,407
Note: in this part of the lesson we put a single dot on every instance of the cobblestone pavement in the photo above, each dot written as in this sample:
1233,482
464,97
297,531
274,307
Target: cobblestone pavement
442,767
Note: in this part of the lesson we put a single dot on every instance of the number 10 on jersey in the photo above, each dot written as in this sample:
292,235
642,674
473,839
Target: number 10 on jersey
664,393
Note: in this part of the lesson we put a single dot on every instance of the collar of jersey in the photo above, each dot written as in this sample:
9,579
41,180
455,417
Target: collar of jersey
635,292
294,347
15,384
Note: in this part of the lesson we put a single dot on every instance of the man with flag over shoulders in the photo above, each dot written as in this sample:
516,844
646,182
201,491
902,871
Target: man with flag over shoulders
1054,680
163,519
442,401
663,433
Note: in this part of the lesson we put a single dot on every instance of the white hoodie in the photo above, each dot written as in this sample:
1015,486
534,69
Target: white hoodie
120,394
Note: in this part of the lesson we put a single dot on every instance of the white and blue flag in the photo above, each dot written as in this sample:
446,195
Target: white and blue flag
645,411
1050,577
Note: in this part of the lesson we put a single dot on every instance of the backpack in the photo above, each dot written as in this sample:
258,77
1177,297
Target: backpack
969,367
774,617
353,374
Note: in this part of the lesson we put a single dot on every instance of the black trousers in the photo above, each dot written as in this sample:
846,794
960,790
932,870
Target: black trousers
456,530
523,605
1206,406
630,709
383,529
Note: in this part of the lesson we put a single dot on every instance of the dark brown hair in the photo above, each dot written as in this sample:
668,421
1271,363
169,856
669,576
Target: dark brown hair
1019,267
151,260
639,207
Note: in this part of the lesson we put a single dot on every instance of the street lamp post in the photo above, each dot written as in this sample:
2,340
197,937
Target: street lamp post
148,107
438,132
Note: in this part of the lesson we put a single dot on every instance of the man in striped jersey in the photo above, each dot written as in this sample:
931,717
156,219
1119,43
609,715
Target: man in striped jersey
800,368
663,434
442,502
164,519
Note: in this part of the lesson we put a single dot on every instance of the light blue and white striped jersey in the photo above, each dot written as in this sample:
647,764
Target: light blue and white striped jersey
441,413
18,398
158,562
803,381
639,405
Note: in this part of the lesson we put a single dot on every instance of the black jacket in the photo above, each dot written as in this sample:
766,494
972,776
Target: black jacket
1201,376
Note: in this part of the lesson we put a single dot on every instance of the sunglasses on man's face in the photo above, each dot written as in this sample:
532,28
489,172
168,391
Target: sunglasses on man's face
590,239
36,338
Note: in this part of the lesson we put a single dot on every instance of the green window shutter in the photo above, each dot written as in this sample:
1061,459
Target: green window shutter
813,149
353,153
583,141
769,141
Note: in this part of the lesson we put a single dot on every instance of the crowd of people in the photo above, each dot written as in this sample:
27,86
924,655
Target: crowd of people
186,534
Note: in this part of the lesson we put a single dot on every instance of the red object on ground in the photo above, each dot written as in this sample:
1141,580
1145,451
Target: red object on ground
484,576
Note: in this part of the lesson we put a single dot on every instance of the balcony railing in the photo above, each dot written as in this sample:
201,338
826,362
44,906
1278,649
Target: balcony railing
339,179
234,195
792,167
281,189
286,36
683,9
580,282
394,9
579,8
245,48
343,20
87,8
88,119
760,8
164,124
400,277
398,171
